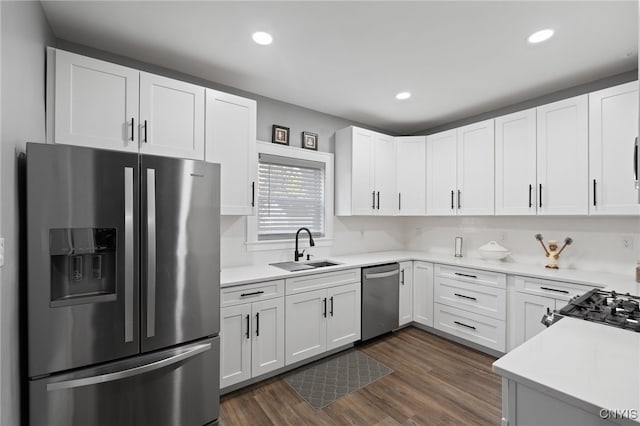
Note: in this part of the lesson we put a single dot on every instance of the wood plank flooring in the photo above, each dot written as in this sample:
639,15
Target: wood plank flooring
434,382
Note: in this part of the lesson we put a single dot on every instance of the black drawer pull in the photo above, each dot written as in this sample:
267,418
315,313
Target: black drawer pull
465,325
540,195
463,296
466,275
252,294
530,189
257,323
248,326
555,289
331,311
324,310
452,200
595,202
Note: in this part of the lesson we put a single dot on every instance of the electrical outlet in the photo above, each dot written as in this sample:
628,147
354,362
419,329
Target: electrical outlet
627,242
1,252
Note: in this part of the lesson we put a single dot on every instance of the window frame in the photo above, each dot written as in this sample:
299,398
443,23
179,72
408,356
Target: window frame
253,243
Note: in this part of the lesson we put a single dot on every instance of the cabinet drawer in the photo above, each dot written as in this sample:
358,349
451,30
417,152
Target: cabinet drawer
481,299
230,296
318,281
556,289
479,329
472,275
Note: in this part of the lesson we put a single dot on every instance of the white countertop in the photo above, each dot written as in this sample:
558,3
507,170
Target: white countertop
591,365
257,273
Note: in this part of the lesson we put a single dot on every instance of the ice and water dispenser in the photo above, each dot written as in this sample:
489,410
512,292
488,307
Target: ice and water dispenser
83,265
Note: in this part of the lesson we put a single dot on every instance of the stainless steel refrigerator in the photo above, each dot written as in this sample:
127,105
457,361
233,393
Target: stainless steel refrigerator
123,288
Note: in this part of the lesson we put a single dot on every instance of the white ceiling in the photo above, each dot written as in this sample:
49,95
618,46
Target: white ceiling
349,59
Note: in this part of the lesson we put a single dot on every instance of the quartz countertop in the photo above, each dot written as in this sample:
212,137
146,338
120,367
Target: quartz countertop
589,365
264,272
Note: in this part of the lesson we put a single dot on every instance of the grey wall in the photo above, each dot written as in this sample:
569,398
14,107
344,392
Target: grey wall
541,100
25,33
270,111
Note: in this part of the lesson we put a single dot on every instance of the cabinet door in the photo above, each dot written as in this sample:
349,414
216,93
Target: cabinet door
172,117
475,169
385,175
406,293
563,167
613,127
267,349
423,293
515,188
441,173
305,329
411,166
96,103
235,344
529,310
231,141
343,316
362,191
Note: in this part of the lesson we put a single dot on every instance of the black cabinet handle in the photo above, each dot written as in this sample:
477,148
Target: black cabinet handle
373,200
452,199
324,311
463,296
540,195
399,200
594,193
635,160
530,189
133,128
331,311
555,289
145,131
465,275
459,196
248,325
253,194
465,325
252,293
257,323
378,200
402,279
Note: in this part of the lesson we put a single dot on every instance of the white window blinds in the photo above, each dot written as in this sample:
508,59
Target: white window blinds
290,196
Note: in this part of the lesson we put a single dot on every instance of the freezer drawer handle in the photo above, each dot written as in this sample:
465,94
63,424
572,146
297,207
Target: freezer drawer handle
131,372
252,293
465,325
554,289
465,275
151,252
128,254
382,275
465,297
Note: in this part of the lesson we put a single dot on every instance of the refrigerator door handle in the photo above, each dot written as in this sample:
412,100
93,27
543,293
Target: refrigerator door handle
130,372
128,254
151,252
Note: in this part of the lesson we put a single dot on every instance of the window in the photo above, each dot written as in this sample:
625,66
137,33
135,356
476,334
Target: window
294,190
290,196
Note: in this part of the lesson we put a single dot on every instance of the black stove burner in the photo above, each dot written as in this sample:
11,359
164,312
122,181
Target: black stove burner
611,308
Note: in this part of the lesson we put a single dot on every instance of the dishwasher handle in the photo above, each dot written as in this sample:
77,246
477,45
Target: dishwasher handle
381,274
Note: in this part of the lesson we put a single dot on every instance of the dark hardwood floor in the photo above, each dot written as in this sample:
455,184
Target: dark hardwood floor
434,382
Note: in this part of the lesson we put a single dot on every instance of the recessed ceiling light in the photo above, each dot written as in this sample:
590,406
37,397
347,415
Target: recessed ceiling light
403,95
262,38
540,36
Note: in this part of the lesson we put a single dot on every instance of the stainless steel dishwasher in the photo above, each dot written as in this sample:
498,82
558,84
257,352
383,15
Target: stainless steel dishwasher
380,293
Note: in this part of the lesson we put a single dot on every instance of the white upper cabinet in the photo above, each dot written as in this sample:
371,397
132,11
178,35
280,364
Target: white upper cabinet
412,200
95,103
563,157
171,117
475,169
365,177
230,133
516,184
441,173
613,128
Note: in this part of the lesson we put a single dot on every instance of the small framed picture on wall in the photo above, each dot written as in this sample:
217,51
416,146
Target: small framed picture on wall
310,140
280,134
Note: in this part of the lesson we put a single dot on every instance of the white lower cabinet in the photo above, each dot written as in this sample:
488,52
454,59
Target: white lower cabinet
321,320
251,334
423,293
406,293
479,329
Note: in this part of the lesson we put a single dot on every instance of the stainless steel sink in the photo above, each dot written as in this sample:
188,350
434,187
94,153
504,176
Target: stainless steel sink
303,266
